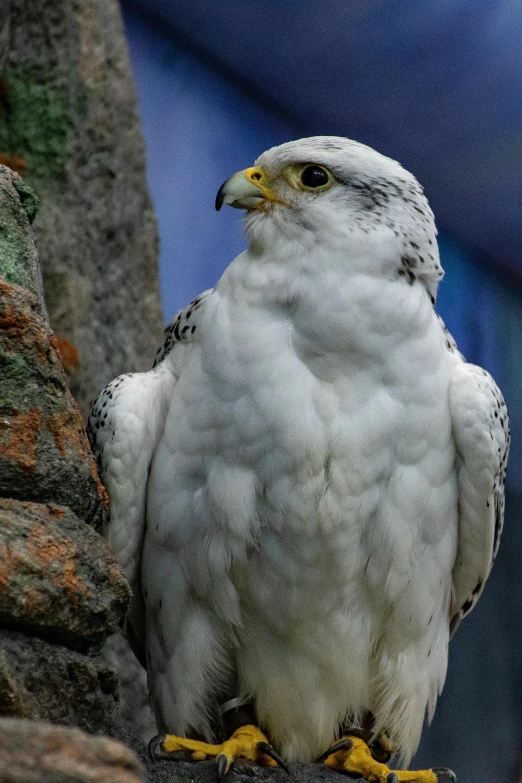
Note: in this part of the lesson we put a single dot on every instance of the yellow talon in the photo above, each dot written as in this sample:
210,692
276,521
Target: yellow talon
200,750
358,760
246,742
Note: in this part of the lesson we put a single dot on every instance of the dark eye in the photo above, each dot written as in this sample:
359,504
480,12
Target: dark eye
314,177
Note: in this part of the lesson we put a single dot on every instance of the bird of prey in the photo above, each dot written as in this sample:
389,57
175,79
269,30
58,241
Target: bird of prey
307,490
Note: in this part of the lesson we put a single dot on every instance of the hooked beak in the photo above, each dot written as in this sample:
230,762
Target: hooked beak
246,190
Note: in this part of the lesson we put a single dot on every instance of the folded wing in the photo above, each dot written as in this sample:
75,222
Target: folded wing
481,432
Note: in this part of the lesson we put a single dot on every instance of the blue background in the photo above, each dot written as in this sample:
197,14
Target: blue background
435,85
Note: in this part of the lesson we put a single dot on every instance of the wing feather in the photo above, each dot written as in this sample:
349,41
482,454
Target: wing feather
481,432
125,425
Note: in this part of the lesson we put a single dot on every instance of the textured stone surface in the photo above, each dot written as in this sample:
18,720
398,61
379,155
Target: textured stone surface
18,208
68,122
135,713
44,452
58,578
41,753
43,681
68,109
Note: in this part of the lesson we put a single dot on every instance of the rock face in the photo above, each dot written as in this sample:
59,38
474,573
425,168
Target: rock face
40,423
135,712
68,119
69,124
62,592
42,753
44,681
58,578
17,250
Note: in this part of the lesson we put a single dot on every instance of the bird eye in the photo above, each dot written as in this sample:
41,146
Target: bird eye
315,177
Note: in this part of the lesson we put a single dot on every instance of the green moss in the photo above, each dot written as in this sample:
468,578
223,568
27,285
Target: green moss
16,263
17,382
35,126
29,199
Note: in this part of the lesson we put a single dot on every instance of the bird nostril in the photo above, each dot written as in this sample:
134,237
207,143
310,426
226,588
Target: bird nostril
257,175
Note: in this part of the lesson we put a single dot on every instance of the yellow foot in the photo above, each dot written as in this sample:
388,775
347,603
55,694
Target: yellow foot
247,742
353,755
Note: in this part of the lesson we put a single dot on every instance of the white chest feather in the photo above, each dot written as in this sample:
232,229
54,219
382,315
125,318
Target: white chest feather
314,487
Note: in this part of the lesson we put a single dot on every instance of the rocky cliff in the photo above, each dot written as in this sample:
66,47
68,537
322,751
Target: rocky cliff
69,124
62,592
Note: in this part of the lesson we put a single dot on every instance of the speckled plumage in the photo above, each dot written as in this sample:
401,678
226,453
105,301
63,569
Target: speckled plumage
307,490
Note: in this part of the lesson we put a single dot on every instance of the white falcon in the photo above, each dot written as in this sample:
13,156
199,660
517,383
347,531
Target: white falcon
307,491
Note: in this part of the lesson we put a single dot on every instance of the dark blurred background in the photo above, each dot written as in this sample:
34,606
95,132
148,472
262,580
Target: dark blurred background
436,86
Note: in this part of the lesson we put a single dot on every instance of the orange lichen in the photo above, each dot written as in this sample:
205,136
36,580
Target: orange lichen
67,429
21,324
10,316
10,290
64,429
67,352
41,341
5,557
11,563
58,559
101,489
31,601
13,162
19,316
19,438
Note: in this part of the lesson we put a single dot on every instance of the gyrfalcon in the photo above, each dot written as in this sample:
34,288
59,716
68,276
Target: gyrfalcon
307,491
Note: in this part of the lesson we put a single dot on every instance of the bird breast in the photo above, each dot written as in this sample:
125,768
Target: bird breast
322,417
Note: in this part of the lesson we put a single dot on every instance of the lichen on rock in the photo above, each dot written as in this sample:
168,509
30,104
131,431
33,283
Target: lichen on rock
62,591
36,124
68,114
17,248
68,122
45,452
58,578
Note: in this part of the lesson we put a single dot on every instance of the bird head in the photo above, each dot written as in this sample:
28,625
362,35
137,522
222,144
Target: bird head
337,193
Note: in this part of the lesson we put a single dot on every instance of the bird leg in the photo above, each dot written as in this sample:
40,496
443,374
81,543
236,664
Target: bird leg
246,742
351,754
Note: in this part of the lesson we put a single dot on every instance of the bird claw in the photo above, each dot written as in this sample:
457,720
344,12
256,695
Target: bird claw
353,756
224,762
247,742
158,753
223,765
268,750
263,748
153,746
344,744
